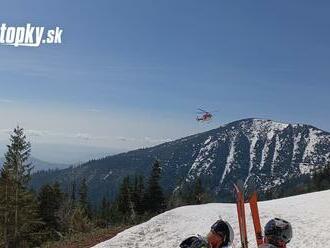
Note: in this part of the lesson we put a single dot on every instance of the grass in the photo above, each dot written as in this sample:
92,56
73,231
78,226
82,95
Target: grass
86,240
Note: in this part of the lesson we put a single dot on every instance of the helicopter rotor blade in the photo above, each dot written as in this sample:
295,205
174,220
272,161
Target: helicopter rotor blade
202,110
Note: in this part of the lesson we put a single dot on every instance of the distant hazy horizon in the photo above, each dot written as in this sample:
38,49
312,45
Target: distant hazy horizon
75,153
66,154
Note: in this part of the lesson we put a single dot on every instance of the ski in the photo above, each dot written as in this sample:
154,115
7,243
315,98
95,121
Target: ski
253,201
241,214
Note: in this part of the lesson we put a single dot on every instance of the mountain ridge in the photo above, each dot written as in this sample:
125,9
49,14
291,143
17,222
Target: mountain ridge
39,164
270,152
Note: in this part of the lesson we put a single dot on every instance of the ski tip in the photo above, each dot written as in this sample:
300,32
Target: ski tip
250,192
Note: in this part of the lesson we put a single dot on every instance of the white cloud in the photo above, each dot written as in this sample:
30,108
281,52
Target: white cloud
84,136
125,139
156,141
94,110
33,133
6,131
37,133
144,140
4,100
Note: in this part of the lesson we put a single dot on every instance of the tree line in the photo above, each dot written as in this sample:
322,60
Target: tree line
317,181
29,218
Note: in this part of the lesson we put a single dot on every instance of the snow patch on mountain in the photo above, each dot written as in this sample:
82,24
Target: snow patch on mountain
276,152
107,175
296,140
207,140
305,168
229,161
254,137
312,141
264,154
204,159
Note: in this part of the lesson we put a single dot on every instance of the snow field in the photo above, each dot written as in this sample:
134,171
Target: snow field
309,215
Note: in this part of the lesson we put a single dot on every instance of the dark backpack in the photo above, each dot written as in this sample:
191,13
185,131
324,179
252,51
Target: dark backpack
194,242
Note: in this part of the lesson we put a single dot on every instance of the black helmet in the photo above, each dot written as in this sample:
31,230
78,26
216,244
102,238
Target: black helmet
278,230
223,229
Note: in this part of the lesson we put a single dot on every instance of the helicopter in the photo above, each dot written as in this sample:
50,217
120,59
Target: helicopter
204,116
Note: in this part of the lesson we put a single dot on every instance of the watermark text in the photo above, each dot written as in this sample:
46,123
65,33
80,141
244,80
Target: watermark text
28,35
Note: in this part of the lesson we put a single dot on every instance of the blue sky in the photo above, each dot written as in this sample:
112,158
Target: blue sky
132,73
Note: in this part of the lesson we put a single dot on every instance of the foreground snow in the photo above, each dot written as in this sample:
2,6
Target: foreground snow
309,215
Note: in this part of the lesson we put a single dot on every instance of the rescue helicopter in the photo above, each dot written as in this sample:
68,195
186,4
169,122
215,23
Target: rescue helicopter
204,116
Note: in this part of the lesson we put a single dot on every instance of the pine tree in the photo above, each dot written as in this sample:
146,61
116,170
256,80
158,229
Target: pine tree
138,194
199,194
6,201
73,192
50,199
105,214
83,197
79,221
18,207
321,179
154,198
65,214
124,196
125,202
